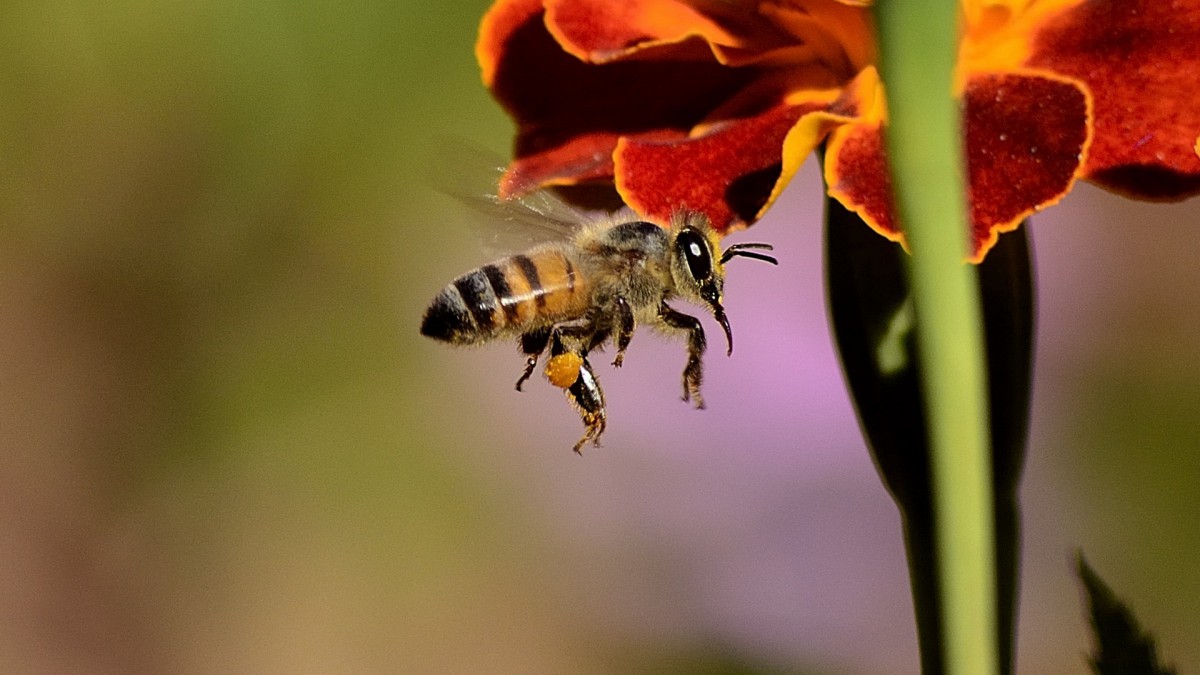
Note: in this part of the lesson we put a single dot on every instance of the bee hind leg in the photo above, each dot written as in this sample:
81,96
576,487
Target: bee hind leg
569,368
533,344
579,336
693,371
587,397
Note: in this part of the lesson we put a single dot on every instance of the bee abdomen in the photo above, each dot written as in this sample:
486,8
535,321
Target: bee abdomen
503,297
464,311
447,318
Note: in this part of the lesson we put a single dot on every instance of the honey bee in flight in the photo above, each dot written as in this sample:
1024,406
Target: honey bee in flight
573,296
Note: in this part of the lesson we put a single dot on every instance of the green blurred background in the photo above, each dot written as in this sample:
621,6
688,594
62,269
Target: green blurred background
225,449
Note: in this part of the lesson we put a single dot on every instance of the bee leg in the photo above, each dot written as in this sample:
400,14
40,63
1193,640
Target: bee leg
584,331
586,396
533,344
566,358
624,329
692,372
568,368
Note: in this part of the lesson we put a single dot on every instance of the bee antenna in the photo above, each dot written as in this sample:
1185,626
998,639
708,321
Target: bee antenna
740,250
738,247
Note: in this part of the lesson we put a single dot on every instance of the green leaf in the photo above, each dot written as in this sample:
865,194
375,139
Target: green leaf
1122,648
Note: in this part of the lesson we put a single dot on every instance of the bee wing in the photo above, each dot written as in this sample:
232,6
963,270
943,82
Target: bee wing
534,218
470,176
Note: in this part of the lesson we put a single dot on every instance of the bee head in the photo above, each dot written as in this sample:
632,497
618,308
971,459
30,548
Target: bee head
698,273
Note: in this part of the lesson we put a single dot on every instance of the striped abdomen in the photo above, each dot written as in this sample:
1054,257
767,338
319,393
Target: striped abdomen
507,297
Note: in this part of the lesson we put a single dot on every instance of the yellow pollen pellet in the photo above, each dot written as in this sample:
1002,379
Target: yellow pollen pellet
563,370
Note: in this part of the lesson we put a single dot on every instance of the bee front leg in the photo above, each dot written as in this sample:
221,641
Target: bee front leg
533,344
624,329
693,371
587,397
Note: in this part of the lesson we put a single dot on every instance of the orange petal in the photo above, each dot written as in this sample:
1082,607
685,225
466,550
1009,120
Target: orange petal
997,34
1141,61
810,131
839,35
727,173
736,33
602,30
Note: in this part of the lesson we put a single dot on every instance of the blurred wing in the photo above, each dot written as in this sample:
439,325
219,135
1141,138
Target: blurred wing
471,175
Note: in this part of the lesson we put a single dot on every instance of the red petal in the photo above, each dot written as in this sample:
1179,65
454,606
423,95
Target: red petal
1141,61
856,170
499,23
727,174
586,157
566,106
857,174
1025,136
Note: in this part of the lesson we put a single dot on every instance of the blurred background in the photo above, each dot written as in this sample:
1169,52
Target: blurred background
224,448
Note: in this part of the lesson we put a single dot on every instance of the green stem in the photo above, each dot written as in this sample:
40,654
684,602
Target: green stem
918,43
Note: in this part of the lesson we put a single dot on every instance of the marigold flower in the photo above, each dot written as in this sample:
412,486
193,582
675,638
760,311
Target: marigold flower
715,104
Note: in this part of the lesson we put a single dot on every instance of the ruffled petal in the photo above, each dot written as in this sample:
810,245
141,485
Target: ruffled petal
501,21
584,158
1026,136
599,31
1141,61
713,106
728,173
838,35
998,33
856,170
575,110
733,170
736,33
857,174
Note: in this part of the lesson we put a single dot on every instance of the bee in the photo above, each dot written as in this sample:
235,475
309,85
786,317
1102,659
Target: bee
572,297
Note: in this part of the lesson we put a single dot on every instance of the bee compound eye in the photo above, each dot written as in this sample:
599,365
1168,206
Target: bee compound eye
693,248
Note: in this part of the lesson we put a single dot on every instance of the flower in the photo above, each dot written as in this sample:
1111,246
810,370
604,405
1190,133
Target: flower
713,105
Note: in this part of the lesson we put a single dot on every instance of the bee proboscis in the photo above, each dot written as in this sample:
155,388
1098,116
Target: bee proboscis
573,296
